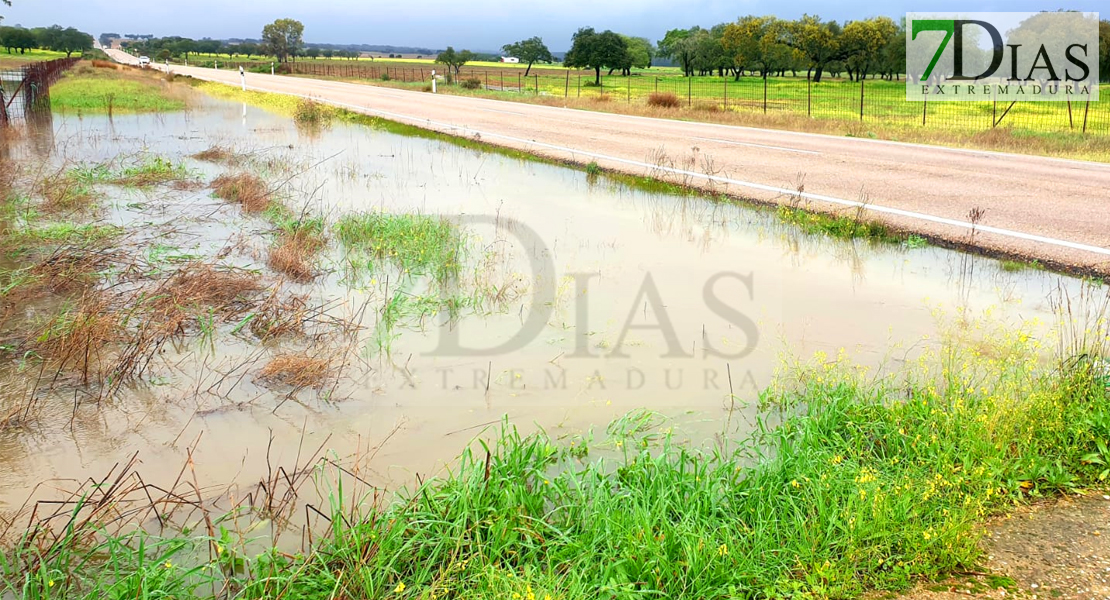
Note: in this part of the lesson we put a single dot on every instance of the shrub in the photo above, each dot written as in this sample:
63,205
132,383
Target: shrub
663,100
385,76
472,84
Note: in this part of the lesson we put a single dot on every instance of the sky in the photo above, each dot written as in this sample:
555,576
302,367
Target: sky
473,24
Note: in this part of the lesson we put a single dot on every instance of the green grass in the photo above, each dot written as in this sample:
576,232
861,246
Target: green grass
10,59
866,485
102,91
842,227
415,244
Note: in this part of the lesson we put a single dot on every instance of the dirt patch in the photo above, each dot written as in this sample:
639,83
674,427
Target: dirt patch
1058,549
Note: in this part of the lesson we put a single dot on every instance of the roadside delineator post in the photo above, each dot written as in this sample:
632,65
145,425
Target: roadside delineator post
433,81
271,68
217,63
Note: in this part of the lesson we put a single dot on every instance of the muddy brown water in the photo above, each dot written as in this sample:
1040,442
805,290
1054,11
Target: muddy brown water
616,299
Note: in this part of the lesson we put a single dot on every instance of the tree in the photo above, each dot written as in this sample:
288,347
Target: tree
312,53
678,45
16,38
753,43
184,47
283,38
454,60
597,51
863,43
531,50
819,43
640,52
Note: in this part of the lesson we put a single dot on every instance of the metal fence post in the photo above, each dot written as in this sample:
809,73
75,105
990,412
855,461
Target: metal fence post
764,92
579,85
629,82
689,91
537,84
1085,110
924,110
566,89
861,96
657,84
519,87
726,94
809,96
1071,122
487,80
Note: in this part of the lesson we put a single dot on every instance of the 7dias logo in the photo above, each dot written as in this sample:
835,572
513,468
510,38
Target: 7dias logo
1002,56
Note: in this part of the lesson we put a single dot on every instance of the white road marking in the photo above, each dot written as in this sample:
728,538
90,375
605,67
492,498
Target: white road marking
504,112
727,180
750,145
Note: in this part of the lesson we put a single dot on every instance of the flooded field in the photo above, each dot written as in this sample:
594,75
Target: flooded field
575,300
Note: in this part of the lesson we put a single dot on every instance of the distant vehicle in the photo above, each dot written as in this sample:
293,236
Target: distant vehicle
510,59
144,61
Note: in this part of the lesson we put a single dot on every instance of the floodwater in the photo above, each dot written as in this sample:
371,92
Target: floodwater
614,299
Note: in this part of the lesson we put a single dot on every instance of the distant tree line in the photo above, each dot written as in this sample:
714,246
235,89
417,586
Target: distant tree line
56,38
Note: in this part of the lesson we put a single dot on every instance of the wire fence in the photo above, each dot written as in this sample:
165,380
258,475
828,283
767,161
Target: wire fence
25,91
868,101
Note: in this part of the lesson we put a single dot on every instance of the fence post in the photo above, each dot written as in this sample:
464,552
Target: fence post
628,81
519,89
537,84
1071,122
580,85
566,90
924,110
487,80
3,109
689,92
765,92
994,113
726,93
657,84
809,95
1085,109
861,76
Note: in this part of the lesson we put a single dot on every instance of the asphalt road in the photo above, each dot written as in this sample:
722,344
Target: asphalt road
1054,210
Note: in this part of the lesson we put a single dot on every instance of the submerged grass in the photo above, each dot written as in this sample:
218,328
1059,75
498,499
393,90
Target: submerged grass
865,485
416,244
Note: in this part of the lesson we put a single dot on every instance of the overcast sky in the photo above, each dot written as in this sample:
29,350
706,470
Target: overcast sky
473,24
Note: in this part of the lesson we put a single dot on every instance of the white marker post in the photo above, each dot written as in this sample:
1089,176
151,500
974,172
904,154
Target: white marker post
217,65
243,77
433,81
271,68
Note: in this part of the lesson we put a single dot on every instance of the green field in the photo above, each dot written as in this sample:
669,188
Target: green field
15,58
89,90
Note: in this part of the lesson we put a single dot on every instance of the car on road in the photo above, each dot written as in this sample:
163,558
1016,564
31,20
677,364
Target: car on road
144,61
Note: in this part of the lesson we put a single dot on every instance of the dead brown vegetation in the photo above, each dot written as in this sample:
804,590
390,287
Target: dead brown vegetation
218,154
297,370
293,254
80,337
203,285
663,100
61,193
245,189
